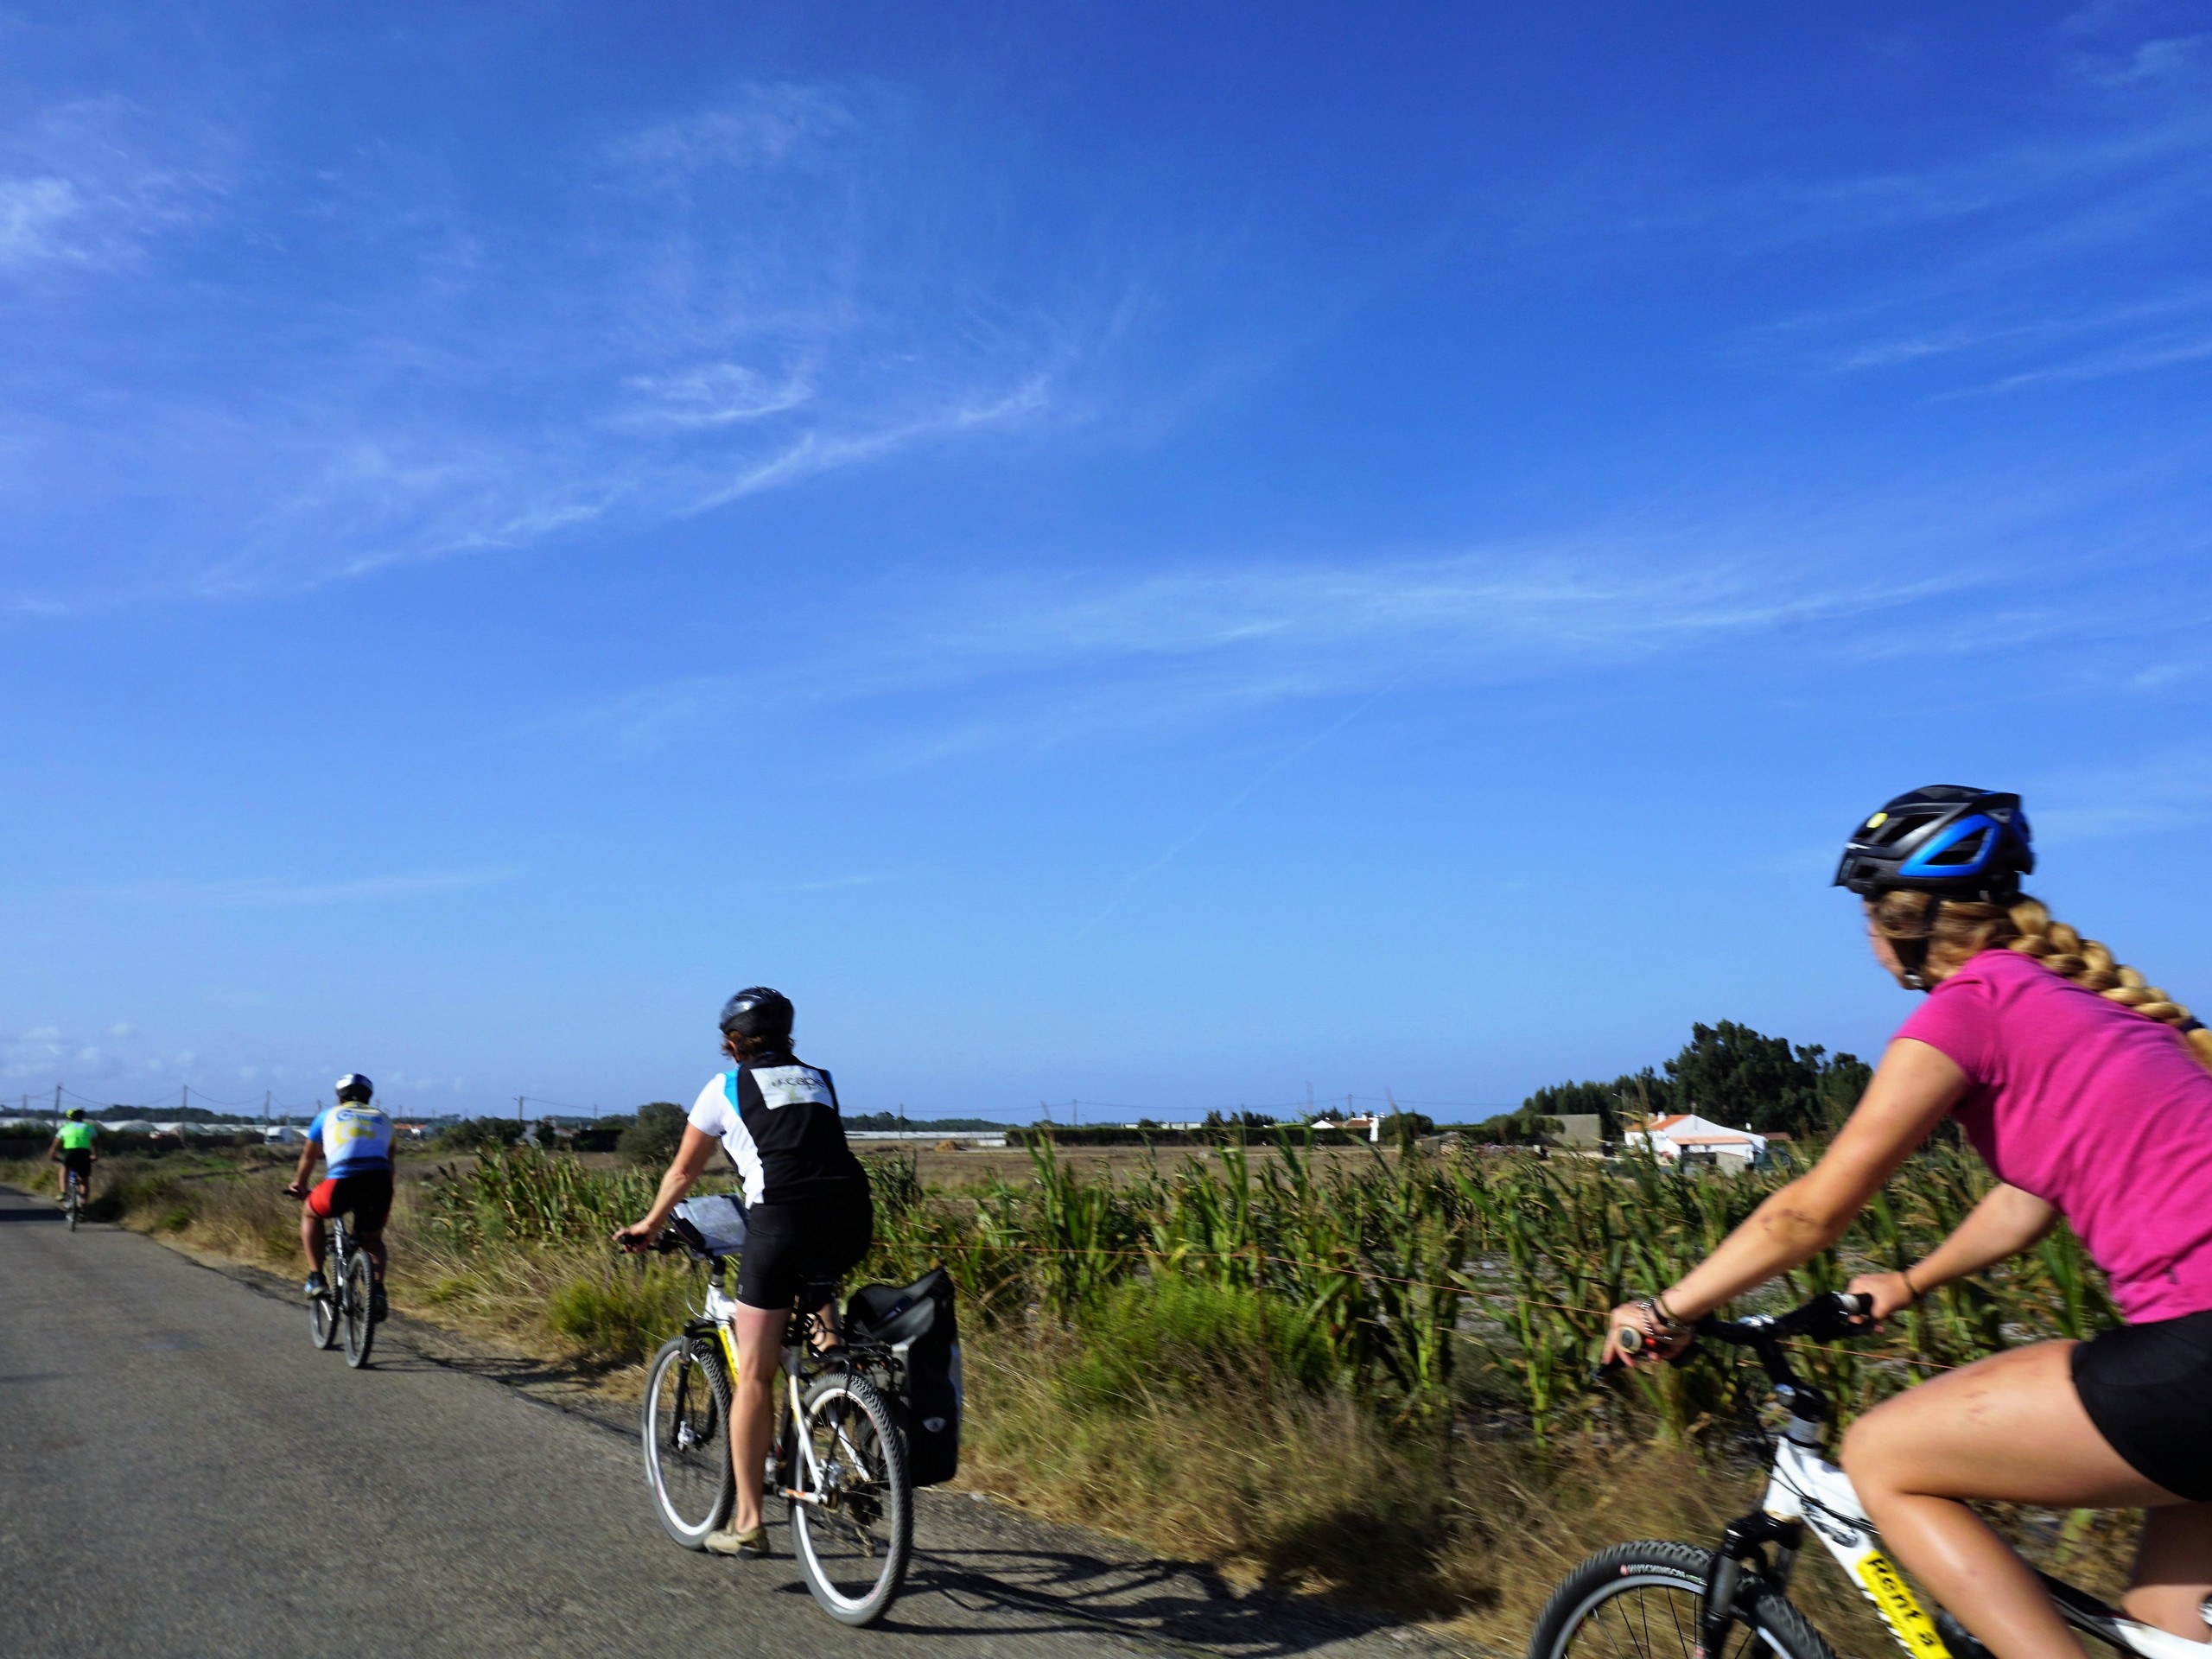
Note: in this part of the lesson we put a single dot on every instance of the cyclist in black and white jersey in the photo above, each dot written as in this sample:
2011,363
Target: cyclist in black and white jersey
808,1220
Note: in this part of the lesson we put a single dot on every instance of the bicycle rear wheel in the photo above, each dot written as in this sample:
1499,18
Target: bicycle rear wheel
1641,1601
354,1305
853,1521
74,1203
322,1319
686,1430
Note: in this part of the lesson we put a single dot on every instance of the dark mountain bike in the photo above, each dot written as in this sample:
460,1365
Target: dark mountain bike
1654,1600
73,1196
836,1457
347,1299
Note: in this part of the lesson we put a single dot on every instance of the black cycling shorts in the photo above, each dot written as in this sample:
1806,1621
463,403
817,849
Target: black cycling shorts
790,1246
367,1196
2148,1388
79,1159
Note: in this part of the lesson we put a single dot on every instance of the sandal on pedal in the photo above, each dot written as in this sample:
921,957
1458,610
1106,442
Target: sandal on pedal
730,1541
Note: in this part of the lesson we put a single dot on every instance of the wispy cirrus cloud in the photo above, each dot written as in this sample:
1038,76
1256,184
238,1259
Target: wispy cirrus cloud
2071,256
1031,661
730,301
81,190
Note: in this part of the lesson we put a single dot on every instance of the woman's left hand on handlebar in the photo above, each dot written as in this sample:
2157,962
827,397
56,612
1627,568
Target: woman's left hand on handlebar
1891,1292
634,1237
1654,1343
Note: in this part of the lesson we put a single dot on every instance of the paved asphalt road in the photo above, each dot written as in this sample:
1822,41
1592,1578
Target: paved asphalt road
181,1473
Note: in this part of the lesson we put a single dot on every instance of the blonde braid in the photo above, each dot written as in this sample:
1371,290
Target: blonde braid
1963,928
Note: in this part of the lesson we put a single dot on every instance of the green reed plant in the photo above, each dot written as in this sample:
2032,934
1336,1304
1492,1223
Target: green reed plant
1428,1278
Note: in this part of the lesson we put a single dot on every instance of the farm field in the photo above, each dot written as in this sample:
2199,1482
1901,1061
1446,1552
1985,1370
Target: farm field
1246,1357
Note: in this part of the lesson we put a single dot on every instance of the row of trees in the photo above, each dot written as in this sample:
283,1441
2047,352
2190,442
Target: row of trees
1728,1072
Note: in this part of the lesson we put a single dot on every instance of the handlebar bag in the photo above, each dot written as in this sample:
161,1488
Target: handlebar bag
713,1226
917,1323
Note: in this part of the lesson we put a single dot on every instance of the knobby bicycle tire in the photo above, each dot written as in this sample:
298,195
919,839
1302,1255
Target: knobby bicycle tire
854,1542
685,1424
1641,1601
359,1289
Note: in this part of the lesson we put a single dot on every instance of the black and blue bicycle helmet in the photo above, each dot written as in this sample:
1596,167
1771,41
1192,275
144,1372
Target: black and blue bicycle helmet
1947,840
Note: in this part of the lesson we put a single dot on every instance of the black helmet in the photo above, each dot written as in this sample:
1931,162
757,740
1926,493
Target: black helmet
354,1086
1947,840
75,1114
756,1013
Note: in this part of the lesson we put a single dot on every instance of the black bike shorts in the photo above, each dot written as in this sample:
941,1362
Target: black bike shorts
79,1162
367,1196
2148,1388
790,1246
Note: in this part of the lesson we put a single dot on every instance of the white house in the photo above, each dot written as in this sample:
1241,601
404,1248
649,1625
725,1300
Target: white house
1686,1135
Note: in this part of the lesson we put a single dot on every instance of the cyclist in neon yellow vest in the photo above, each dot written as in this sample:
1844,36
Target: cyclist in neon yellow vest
72,1148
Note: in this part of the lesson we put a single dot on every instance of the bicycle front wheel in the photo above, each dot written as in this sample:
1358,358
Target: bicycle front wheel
686,1429
853,1509
1641,1601
361,1330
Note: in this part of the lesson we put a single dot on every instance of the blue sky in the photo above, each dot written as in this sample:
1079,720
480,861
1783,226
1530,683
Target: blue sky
1163,556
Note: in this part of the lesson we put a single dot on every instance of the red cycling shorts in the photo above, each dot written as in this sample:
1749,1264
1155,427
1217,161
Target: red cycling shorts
367,1196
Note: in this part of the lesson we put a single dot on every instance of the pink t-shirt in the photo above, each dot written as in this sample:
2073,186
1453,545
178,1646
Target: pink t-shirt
2094,1107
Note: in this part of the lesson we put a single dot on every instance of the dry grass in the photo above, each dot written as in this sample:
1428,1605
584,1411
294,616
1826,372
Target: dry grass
1131,1367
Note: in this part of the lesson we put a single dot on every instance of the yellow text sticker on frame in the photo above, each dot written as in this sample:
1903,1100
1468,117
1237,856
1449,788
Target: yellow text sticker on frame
1898,1607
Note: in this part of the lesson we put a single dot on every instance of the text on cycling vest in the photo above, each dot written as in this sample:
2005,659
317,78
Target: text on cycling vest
778,1120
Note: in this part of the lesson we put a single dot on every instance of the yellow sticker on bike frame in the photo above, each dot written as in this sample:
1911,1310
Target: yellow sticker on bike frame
1898,1608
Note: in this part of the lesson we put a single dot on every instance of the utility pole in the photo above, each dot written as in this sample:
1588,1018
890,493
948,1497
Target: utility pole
267,1095
57,1107
518,1099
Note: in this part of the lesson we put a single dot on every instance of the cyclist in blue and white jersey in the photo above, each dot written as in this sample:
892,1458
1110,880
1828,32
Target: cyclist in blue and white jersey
356,1138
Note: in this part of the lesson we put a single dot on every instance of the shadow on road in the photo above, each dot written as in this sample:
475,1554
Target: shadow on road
11,1213
1170,1603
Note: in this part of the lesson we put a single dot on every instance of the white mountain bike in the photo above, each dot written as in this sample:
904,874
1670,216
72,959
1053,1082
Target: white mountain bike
838,1456
1653,1600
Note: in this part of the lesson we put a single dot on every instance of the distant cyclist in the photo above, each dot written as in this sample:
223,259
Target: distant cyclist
808,1220
72,1148
356,1137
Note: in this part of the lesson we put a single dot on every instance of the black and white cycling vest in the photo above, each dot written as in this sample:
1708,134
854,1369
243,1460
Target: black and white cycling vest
782,1130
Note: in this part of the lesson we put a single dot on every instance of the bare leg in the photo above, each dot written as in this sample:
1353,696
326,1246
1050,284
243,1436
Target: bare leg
372,1246
753,1410
2173,1571
311,1238
2009,1427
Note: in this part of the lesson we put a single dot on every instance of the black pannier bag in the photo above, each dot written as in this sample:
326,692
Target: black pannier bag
917,1322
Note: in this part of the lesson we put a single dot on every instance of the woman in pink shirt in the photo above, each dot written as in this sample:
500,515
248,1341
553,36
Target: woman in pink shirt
2088,1092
